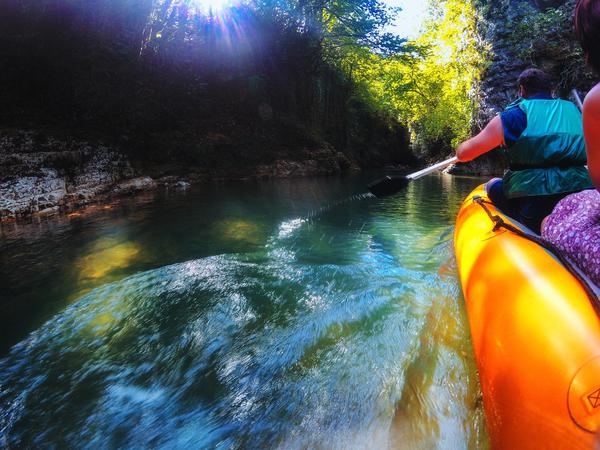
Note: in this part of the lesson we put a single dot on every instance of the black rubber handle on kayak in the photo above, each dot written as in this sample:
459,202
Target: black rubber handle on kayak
387,186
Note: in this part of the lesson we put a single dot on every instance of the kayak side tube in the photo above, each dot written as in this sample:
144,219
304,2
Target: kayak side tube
535,334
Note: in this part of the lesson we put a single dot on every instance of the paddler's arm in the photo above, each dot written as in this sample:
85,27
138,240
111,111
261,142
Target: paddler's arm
591,131
489,138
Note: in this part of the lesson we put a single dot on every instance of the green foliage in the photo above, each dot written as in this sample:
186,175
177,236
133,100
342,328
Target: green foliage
429,84
433,86
447,78
164,65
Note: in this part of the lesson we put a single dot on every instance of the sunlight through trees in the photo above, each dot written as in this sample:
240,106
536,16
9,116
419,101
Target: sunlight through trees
432,86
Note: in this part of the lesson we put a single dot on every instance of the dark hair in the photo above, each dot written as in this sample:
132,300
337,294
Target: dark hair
587,29
535,81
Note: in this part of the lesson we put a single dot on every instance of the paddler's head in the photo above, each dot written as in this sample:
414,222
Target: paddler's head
534,81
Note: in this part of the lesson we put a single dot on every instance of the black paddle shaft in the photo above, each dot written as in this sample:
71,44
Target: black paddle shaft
387,186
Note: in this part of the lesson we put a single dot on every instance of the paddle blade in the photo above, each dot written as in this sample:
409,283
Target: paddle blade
387,186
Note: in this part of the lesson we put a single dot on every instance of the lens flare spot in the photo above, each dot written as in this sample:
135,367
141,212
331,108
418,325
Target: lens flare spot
105,256
242,231
212,6
102,322
107,314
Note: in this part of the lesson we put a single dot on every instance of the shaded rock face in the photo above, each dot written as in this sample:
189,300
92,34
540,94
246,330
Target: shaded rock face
44,174
39,173
328,164
543,4
32,193
491,164
523,34
498,85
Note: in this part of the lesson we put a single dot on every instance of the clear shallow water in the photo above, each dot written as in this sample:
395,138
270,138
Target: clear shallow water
295,314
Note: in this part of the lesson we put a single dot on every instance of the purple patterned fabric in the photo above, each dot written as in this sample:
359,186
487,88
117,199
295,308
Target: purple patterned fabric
574,227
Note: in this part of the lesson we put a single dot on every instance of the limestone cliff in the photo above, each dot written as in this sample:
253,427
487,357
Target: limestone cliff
523,34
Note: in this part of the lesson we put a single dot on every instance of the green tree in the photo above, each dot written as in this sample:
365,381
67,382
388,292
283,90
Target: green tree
432,86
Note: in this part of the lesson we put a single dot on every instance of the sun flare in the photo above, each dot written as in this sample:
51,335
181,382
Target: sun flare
212,6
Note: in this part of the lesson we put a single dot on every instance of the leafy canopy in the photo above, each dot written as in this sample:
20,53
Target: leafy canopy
432,87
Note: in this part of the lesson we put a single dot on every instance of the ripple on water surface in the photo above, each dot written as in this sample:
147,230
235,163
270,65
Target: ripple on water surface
336,335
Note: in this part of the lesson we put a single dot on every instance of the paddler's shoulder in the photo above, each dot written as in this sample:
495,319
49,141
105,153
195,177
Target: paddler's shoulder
592,101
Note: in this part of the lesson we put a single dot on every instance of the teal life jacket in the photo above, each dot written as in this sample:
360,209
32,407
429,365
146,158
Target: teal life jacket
549,157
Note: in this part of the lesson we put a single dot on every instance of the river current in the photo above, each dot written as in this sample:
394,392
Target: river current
298,314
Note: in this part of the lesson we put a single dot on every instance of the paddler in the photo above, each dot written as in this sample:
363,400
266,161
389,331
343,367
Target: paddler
544,144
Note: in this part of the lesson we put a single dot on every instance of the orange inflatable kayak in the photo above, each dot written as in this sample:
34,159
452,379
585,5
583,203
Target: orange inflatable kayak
535,332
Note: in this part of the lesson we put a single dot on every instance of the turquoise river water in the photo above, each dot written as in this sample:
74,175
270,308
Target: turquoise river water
299,314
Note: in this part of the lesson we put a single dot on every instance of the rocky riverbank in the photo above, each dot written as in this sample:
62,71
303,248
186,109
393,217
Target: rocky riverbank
46,173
